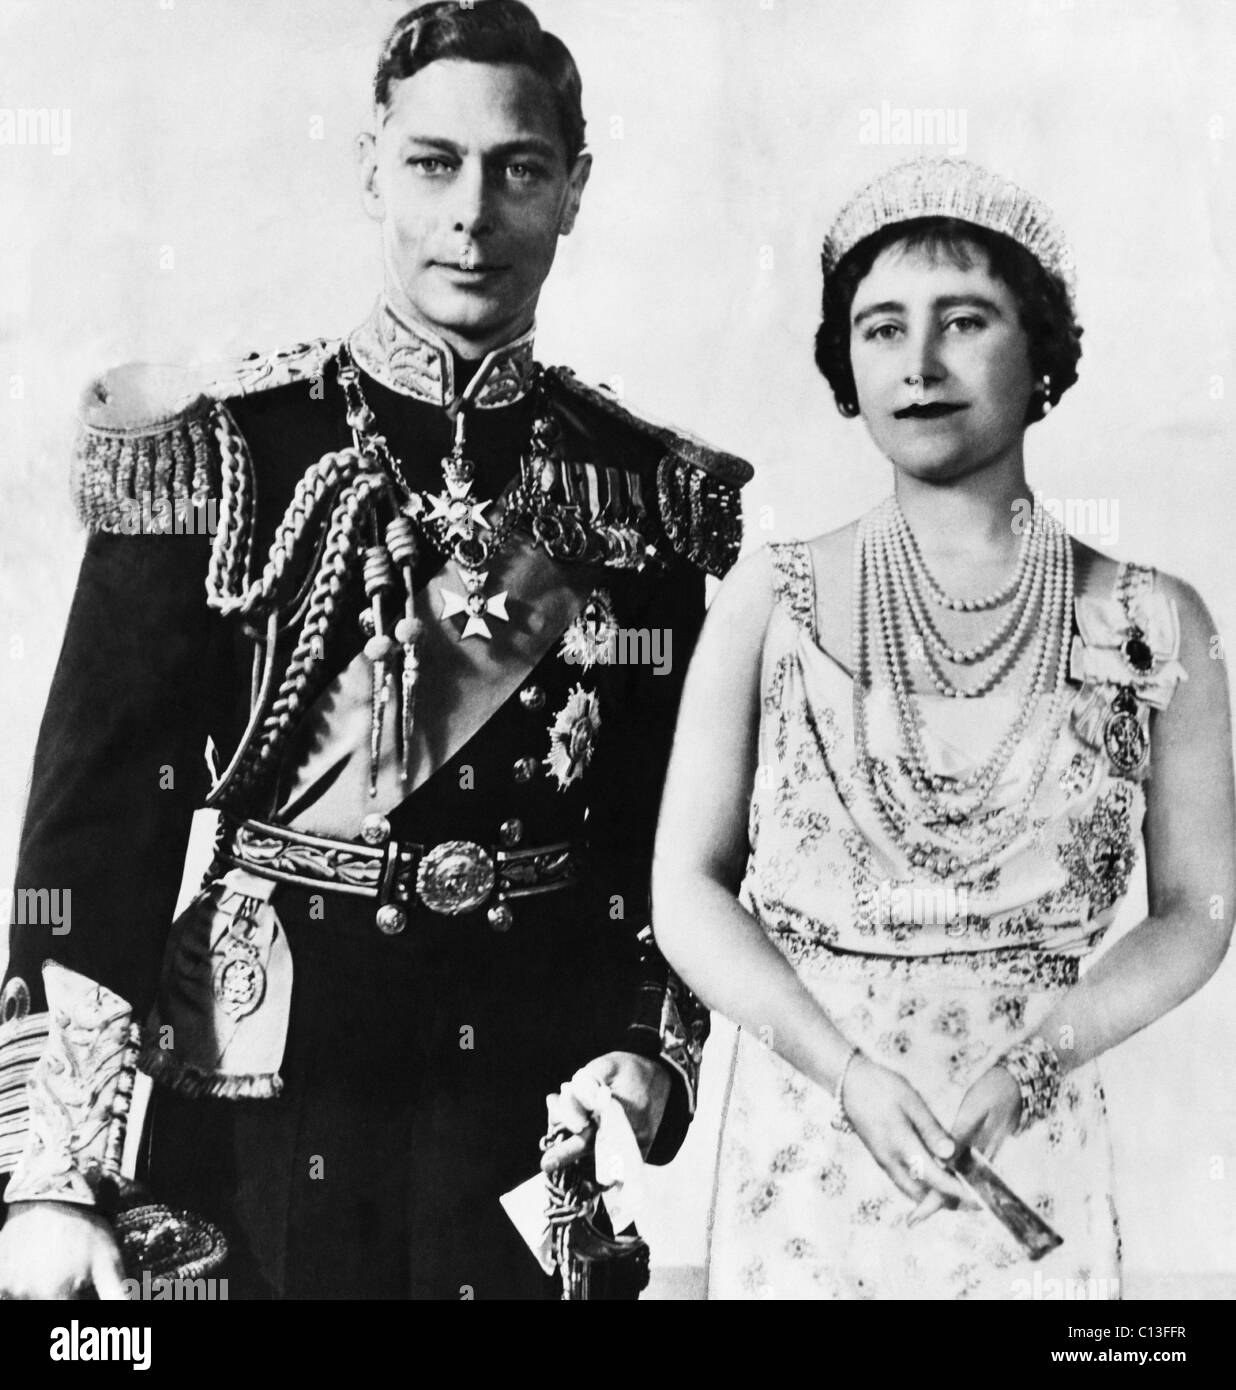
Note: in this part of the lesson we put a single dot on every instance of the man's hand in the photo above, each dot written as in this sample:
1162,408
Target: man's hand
640,1084
56,1250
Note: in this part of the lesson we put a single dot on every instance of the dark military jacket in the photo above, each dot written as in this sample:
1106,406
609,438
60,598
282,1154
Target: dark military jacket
224,664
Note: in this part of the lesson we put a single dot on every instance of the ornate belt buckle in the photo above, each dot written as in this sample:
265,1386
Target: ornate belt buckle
455,876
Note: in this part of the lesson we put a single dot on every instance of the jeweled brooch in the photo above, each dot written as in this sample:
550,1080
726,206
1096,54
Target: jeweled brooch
1127,659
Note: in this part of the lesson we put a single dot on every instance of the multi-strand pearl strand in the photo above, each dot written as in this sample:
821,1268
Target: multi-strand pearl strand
905,610
964,605
1008,633
891,602
969,842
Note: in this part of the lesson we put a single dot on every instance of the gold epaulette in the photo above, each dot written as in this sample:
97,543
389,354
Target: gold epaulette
152,438
698,487
144,451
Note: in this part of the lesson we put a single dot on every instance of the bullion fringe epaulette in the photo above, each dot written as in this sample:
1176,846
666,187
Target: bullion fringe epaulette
698,487
149,453
145,477
701,516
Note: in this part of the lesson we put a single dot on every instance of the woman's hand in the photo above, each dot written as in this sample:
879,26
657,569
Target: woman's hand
55,1250
897,1126
641,1085
988,1114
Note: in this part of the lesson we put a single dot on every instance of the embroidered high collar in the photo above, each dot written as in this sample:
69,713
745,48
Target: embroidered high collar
416,362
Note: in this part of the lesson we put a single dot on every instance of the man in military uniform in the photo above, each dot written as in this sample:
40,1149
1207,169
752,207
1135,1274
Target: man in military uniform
437,788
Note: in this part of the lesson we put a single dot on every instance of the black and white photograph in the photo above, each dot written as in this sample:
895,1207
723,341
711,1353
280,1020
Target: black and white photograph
614,624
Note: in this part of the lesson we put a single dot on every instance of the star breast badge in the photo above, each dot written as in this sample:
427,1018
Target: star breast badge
572,737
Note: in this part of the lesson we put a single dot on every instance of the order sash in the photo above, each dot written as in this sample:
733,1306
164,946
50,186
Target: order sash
462,683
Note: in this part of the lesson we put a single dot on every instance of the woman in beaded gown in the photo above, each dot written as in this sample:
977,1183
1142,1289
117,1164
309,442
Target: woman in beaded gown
914,761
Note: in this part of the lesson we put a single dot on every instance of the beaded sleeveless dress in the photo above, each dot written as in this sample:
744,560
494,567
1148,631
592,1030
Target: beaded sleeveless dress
932,980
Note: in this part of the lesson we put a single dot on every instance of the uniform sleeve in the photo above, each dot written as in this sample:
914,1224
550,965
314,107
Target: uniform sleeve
119,766
662,624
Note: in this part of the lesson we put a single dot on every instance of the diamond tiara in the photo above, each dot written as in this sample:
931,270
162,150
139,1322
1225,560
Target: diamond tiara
945,187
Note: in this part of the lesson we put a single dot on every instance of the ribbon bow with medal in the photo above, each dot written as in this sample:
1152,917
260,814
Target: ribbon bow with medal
1127,658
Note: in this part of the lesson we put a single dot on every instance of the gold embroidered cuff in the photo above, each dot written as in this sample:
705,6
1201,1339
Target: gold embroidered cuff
78,1095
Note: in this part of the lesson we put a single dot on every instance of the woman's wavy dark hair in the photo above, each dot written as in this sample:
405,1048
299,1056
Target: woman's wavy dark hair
488,31
1042,302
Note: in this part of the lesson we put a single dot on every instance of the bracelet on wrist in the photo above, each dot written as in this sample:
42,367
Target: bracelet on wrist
841,1121
1035,1068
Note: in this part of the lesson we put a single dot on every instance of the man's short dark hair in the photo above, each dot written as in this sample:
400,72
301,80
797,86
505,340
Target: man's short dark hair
488,31
1042,302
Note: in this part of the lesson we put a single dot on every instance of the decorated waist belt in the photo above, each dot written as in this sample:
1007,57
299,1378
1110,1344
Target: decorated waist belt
450,878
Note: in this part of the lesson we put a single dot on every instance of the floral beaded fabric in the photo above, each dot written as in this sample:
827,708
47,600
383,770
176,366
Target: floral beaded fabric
929,973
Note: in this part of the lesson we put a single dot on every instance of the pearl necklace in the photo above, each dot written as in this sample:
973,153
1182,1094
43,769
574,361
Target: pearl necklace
913,577
892,605
971,833
964,605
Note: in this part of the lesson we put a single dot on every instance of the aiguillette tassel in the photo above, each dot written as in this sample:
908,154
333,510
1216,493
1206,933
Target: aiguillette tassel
377,680
378,578
401,543
408,632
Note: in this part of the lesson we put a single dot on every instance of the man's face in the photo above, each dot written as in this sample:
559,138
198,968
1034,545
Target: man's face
468,176
941,362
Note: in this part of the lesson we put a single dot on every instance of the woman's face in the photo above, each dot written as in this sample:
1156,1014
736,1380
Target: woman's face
941,362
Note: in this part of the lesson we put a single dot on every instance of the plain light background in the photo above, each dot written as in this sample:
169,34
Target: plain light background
206,205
